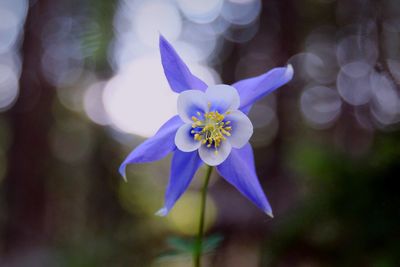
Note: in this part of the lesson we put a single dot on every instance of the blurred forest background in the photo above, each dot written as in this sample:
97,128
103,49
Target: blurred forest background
81,84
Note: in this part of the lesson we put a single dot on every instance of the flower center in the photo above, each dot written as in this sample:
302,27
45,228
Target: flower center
211,129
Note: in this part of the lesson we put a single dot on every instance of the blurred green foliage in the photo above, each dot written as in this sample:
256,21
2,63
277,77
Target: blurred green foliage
350,213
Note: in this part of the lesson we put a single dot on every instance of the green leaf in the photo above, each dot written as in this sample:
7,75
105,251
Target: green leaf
212,242
181,244
188,246
169,255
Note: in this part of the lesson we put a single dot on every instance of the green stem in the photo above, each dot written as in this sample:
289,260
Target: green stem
199,244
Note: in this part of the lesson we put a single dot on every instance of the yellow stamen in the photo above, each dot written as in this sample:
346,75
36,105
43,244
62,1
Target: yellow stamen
211,129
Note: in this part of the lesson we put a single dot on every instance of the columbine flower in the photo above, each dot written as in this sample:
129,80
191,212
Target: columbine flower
211,127
213,123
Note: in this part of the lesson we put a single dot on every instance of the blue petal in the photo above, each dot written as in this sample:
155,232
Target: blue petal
178,74
184,166
252,89
156,147
209,157
184,139
222,98
242,128
238,169
190,102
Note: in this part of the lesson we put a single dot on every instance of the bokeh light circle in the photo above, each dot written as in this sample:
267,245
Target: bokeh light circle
9,29
320,105
241,12
355,48
9,88
183,218
204,11
93,104
355,89
385,106
150,18
138,100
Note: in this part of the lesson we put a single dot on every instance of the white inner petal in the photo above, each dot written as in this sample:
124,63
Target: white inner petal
189,103
222,98
242,128
184,140
211,158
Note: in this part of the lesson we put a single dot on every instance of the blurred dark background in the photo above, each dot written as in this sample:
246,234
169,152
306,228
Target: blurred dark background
81,84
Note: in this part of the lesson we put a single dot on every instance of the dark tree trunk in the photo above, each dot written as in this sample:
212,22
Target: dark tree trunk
30,120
